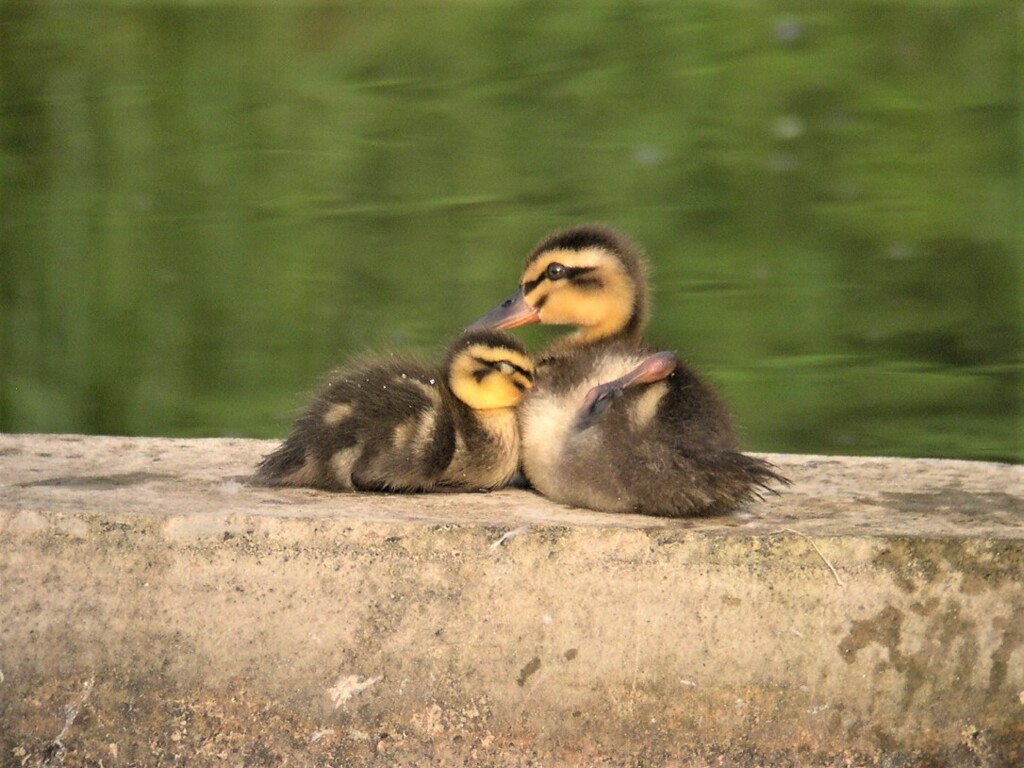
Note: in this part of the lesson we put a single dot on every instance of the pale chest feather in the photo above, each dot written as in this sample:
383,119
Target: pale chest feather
545,423
547,418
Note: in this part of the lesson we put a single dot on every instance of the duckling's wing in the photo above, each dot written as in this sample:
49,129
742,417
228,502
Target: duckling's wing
407,437
652,369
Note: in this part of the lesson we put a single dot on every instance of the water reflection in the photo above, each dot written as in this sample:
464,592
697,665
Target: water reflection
206,207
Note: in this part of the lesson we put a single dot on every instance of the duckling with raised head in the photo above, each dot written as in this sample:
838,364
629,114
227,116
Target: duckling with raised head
612,424
404,425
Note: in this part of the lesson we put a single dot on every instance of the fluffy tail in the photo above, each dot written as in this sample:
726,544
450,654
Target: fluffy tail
722,481
284,465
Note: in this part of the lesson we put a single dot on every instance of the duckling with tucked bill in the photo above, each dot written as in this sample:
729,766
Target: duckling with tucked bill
611,423
404,425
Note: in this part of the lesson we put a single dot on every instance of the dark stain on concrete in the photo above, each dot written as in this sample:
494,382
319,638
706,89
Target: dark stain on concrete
884,629
894,560
98,482
925,608
914,563
571,654
528,671
953,500
947,635
1013,637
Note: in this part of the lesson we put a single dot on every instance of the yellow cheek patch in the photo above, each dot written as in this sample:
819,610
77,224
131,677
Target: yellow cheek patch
598,310
493,391
490,377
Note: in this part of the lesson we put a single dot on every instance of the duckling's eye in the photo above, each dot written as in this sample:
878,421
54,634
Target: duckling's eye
505,368
555,271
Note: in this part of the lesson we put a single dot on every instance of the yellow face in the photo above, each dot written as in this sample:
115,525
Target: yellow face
589,288
486,377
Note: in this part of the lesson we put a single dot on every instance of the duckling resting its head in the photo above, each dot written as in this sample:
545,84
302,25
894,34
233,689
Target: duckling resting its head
404,425
613,425
618,428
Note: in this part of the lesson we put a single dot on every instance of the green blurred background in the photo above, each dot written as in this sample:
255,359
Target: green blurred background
204,206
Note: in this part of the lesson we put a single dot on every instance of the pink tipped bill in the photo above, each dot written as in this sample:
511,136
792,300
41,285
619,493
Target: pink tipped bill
511,313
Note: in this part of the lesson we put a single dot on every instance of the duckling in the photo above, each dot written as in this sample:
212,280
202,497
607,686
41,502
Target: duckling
612,424
406,425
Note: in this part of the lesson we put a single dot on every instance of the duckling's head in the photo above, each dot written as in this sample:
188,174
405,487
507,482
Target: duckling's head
489,369
592,277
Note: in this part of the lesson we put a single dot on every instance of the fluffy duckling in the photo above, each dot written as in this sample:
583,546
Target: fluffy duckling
404,425
613,425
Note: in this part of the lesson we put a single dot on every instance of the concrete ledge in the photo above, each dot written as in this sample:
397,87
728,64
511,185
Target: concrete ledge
157,610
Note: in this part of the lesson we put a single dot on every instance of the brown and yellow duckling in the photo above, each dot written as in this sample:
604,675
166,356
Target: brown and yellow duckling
612,424
405,425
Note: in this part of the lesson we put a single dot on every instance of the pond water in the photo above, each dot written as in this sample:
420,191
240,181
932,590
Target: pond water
205,206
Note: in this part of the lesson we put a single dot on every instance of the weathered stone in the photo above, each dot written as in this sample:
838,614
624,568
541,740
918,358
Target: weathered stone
155,609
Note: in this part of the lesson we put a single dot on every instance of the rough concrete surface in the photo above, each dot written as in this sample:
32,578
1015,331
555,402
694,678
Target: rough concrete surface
155,609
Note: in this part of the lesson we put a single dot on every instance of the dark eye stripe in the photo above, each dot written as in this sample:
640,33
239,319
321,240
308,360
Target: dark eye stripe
531,286
488,366
573,274
522,372
576,272
589,282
